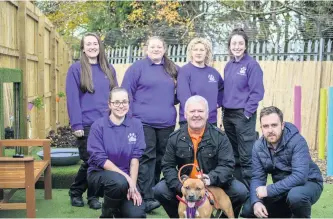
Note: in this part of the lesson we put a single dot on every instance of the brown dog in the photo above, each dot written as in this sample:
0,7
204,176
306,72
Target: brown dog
194,192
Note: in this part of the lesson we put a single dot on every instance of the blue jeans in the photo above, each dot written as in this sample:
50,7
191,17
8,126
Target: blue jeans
295,203
236,191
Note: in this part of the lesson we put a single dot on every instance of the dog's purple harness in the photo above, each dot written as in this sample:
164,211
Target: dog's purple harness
190,211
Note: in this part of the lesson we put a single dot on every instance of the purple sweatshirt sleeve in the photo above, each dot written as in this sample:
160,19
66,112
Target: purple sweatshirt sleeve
95,146
73,99
140,145
183,87
220,92
256,85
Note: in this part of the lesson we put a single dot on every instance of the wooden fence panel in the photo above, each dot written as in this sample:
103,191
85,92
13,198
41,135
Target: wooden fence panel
28,43
8,21
41,75
280,77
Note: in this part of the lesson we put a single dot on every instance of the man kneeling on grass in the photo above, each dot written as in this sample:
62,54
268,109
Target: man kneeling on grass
297,181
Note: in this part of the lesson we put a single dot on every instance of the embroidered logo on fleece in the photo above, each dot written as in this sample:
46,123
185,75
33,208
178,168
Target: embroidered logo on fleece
131,138
211,78
242,71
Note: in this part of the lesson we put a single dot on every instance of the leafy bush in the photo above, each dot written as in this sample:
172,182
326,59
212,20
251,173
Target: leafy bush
38,102
63,138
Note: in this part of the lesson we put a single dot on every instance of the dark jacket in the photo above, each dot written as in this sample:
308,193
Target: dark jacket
215,156
290,164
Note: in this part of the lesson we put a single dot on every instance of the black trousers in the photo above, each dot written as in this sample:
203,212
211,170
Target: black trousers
296,203
80,184
237,192
150,162
113,187
242,135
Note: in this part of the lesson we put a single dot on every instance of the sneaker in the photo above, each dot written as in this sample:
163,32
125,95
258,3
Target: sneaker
151,205
94,204
77,201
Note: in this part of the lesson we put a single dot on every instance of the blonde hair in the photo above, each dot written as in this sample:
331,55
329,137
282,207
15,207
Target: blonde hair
208,46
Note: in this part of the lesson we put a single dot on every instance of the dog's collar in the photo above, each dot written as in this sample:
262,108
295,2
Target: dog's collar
191,211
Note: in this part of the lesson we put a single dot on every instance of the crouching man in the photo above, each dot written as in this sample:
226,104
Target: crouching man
297,181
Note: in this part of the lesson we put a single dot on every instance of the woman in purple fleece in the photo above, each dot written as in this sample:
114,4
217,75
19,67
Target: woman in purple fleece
88,84
151,84
115,144
243,90
198,78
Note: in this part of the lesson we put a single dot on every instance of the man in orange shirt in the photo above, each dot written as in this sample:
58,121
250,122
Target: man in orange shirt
206,146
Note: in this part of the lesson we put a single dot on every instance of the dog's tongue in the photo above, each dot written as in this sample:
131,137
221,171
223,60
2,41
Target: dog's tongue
191,204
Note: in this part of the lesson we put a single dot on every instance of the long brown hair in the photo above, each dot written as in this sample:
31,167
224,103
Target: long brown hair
86,82
169,66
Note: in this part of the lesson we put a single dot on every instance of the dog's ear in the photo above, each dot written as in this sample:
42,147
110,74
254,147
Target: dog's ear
183,178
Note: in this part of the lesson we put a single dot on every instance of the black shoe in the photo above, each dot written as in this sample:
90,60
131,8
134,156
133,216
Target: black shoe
94,204
151,205
110,213
77,201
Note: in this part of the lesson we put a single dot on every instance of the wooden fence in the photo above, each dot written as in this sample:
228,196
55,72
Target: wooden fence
294,50
28,41
280,77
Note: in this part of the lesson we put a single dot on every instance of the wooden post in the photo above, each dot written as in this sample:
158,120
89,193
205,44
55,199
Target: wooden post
47,172
319,84
53,79
330,133
63,83
60,79
322,123
22,47
40,77
70,62
30,189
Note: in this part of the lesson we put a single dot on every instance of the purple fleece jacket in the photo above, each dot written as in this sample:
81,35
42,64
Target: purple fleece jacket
84,108
117,143
152,93
206,82
243,85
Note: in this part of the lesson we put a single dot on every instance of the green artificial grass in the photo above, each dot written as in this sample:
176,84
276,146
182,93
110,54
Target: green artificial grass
59,206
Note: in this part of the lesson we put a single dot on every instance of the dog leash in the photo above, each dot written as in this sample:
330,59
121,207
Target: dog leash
212,201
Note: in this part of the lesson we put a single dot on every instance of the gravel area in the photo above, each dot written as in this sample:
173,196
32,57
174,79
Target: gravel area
322,165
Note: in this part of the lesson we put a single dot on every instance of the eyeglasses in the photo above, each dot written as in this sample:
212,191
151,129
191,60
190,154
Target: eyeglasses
118,103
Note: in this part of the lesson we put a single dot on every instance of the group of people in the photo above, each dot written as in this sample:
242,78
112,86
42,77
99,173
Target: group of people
126,135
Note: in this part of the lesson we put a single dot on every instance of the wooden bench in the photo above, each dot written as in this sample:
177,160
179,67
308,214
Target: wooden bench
23,173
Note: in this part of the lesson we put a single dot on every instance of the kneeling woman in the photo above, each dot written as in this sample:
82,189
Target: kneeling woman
115,144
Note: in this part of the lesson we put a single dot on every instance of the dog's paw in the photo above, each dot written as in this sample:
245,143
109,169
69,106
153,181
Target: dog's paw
185,215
